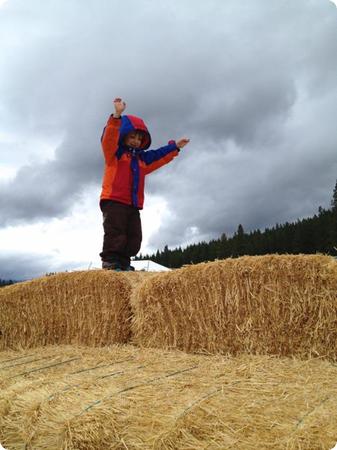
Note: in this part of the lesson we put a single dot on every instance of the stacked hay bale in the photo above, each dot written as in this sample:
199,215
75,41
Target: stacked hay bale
69,397
273,304
125,397
90,308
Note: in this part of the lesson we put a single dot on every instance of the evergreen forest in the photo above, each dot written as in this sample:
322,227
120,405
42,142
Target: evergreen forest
317,234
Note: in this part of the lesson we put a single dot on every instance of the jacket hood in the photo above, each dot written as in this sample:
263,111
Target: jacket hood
133,123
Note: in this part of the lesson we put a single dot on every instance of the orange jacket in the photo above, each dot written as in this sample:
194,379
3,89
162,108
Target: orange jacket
125,167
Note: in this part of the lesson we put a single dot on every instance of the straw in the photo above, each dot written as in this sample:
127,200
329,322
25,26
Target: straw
169,400
89,307
275,304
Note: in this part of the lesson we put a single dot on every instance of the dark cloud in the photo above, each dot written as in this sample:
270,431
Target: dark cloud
252,84
24,266
50,189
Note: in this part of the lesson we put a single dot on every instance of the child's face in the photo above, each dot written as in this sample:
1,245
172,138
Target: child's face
133,139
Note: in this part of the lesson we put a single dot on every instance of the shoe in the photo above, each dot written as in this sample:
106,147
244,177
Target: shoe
111,266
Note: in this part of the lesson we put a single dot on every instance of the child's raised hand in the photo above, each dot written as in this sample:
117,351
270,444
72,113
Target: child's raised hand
182,142
119,106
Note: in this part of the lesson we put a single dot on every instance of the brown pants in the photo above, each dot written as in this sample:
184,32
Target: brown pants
122,232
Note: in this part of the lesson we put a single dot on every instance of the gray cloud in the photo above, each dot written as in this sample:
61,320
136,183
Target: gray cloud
252,84
23,266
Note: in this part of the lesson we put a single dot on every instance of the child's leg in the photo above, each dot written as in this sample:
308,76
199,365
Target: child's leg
115,225
134,234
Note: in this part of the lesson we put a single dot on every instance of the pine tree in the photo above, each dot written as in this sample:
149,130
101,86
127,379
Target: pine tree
334,199
239,242
333,225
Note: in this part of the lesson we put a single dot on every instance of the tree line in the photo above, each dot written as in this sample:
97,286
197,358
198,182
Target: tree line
317,234
4,283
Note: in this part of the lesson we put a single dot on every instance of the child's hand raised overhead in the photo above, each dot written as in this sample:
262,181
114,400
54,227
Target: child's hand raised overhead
119,106
182,142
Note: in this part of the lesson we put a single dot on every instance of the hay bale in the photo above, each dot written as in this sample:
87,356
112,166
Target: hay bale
88,307
124,397
274,304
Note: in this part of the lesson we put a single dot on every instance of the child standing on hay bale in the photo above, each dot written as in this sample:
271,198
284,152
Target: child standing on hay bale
124,141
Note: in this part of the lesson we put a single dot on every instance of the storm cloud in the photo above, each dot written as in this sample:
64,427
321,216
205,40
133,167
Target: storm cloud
23,266
252,84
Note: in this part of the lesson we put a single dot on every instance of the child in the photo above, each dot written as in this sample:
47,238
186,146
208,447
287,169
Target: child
124,141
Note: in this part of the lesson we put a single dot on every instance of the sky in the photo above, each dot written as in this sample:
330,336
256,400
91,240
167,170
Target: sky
253,85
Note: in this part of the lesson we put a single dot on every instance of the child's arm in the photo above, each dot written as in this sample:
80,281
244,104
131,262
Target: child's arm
154,159
110,134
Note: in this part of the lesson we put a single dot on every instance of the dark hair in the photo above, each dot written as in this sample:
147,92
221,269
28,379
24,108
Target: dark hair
139,133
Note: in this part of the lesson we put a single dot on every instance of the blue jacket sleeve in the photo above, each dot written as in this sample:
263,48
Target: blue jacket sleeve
154,159
151,156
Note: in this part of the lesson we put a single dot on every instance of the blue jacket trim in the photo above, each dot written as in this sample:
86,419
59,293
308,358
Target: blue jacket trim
151,156
125,128
135,179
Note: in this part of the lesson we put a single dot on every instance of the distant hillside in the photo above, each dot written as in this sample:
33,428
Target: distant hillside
317,234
